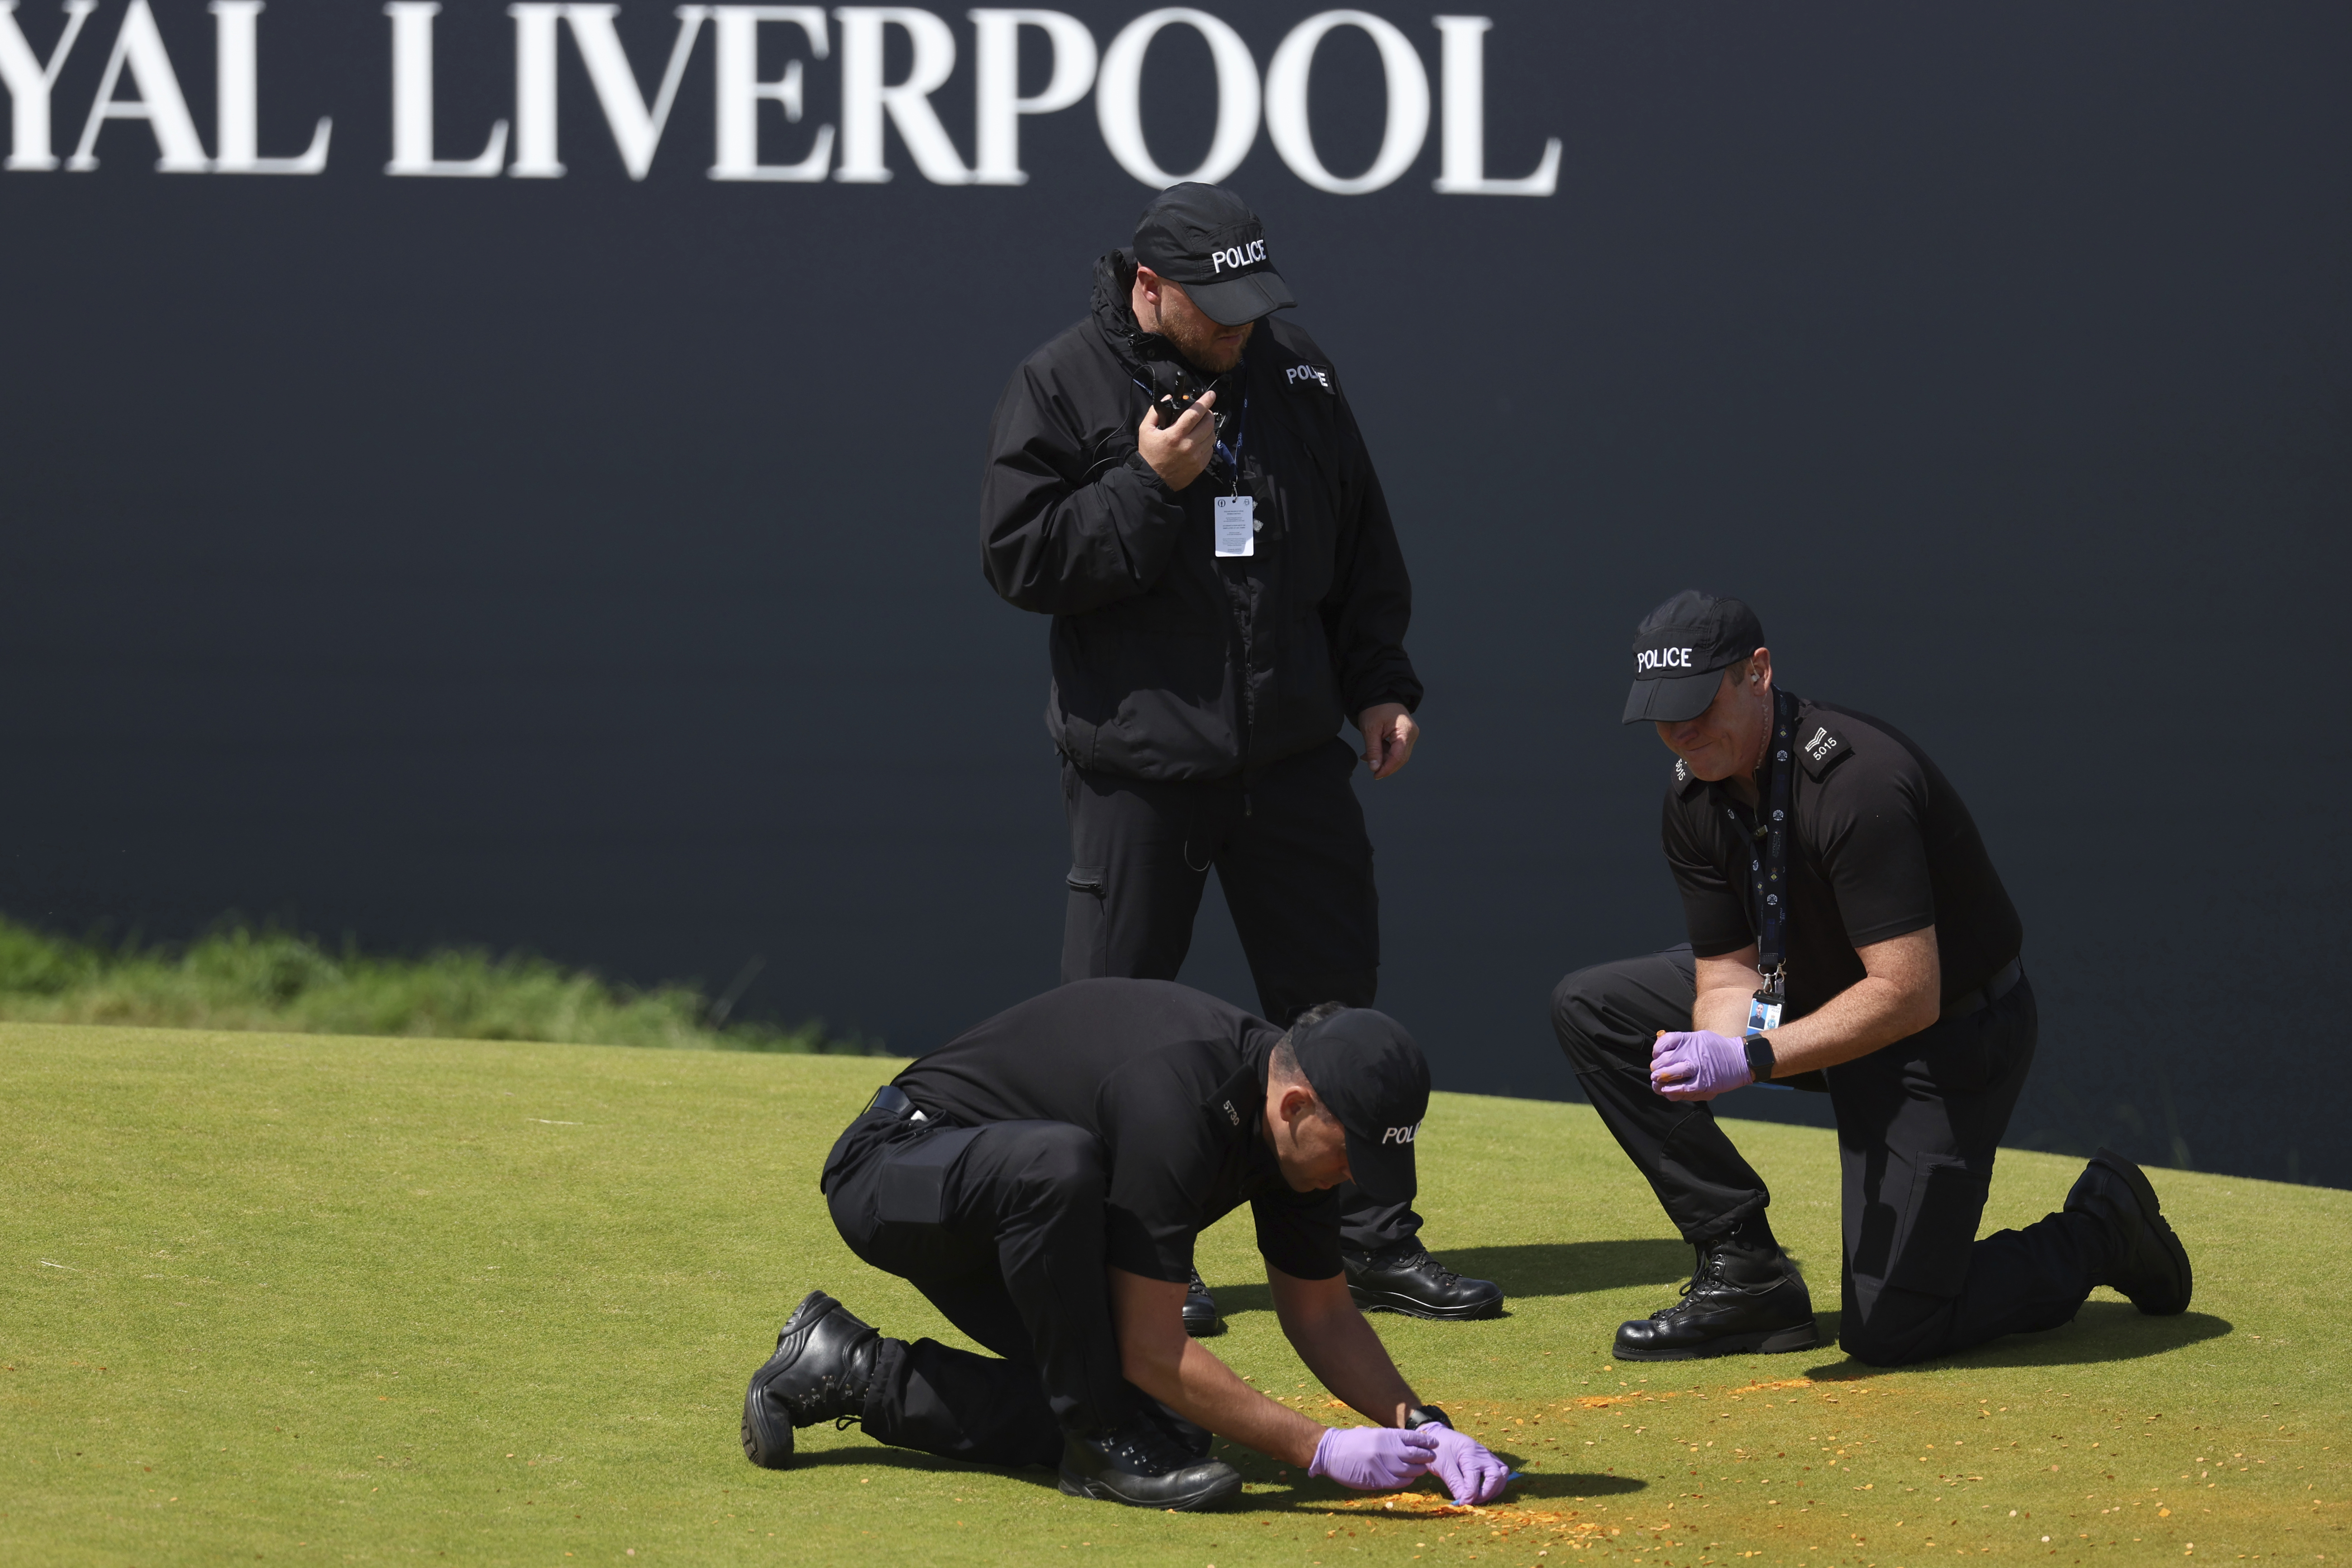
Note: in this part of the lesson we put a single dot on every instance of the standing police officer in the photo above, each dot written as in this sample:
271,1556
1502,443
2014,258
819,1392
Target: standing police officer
1191,500
1041,1178
1848,933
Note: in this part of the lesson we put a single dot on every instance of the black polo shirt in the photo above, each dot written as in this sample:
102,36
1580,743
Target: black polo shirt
1884,847
1174,1082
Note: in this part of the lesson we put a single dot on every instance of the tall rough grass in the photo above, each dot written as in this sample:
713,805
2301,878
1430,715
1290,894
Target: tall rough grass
239,977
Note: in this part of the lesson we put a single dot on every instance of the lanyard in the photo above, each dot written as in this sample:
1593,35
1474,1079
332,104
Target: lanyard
1769,866
1232,456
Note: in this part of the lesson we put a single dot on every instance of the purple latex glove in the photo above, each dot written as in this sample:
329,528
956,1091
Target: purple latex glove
1373,1459
1698,1064
1471,1473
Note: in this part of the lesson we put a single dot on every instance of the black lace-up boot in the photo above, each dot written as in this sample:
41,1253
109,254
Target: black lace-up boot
1740,1300
1200,1316
2148,1263
824,1361
1194,1440
1407,1280
1143,1465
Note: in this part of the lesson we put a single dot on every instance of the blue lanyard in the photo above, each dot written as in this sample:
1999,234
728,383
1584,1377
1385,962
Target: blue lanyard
1233,454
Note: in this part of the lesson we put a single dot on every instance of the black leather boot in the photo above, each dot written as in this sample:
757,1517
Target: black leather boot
1407,1280
1739,1301
1194,1441
1201,1317
1143,1466
824,1361
2148,1263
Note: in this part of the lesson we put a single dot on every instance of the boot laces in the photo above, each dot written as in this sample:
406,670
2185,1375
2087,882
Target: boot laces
1706,1272
1143,1447
1425,1262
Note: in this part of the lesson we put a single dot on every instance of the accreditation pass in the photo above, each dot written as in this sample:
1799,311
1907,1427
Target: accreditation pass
1236,525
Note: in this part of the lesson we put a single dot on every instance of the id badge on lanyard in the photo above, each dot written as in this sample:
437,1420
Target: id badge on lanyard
1770,868
1236,525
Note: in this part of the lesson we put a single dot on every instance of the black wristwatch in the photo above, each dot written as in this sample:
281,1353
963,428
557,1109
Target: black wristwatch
1416,1416
1760,1059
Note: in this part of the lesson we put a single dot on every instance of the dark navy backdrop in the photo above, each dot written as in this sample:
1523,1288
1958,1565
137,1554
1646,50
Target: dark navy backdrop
591,564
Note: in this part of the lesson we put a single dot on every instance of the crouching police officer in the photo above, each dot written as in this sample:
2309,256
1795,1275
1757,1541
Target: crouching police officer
1847,933
1041,1178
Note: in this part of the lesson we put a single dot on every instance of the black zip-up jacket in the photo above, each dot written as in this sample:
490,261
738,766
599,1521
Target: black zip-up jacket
1168,662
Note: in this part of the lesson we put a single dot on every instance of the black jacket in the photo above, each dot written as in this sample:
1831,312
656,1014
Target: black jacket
1168,662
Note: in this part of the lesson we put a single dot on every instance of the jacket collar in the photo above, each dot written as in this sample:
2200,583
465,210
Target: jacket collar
1147,356
1114,316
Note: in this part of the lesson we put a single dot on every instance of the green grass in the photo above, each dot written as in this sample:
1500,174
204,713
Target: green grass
309,1299
237,977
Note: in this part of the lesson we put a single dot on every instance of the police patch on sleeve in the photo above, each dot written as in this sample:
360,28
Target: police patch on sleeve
1823,749
1309,378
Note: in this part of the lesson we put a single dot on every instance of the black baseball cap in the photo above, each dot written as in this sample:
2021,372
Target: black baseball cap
1368,1073
1680,654
1207,239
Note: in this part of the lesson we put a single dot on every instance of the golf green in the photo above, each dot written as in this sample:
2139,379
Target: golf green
305,1299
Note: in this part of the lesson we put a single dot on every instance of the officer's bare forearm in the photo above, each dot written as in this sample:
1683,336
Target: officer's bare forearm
1330,1335
1899,995
1725,985
1157,1357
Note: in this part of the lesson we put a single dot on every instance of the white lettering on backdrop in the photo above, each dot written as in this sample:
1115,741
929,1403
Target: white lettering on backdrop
870,104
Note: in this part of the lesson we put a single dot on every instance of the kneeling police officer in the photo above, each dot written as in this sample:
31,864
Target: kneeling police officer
1041,1179
1848,933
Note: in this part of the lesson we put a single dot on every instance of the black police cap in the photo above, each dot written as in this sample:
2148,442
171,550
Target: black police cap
1680,652
1208,240
1369,1074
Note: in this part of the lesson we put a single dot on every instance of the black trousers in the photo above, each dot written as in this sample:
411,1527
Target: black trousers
1001,1228
1291,854
1918,1123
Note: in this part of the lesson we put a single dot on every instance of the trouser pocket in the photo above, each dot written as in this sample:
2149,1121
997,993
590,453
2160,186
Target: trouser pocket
1086,927
912,1186
1947,1200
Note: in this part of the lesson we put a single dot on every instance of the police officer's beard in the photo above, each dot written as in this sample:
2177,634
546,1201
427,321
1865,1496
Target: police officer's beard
1198,343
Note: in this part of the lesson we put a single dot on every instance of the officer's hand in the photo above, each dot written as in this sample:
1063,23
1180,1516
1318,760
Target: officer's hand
1697,1064
1374,1459
1471,1473
1389,736
1179,453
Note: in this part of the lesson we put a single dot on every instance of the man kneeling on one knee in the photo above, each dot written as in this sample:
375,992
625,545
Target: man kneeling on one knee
1848,933
1041,1179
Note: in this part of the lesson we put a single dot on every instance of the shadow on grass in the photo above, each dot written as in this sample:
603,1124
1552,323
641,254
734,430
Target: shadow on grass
1300,1495
2101,1331
881,1455
1295,1496
1575,1488
1536,1268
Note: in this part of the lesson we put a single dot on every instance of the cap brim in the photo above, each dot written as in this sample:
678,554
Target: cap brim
1242,299
1384,1171
1672,699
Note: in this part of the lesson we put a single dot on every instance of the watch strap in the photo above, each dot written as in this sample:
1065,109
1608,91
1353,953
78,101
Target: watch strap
1419,1415
1760,1061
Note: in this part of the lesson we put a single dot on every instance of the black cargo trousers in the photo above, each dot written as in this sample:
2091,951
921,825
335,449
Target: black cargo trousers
1001,1226
1295,866
1917,1126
